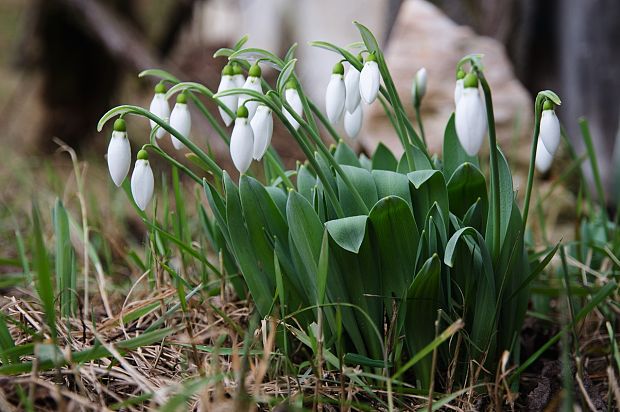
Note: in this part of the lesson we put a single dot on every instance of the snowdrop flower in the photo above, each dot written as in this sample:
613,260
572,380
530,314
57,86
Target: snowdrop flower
458,88
370,78
352,87
142,182
419,86
180,120
262,127
242,141
336,94
549,128
470,118
238,77
543,158
228,82
253,82
353,121
159,107
291,95
119,153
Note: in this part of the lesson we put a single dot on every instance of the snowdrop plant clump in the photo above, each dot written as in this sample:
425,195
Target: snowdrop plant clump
370,255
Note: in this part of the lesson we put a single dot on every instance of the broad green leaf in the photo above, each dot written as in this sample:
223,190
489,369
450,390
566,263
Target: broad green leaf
348,232
344,155
422,304
384,159
429,186
364,183
306,182
392,184
465,187
506,200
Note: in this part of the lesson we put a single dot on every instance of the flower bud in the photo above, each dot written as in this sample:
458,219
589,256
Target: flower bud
370,79
262,127
336,94
227,82
543,158
549,128
142,181
291,95
352,87
160,108
419,86
119,153
242,141
353,121
253,82
180,120
470,117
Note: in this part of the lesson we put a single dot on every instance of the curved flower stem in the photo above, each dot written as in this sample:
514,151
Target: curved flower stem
420,124
129,109
494,163
538,105
175,162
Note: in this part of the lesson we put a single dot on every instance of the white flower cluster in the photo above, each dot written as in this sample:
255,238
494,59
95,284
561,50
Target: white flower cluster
345,93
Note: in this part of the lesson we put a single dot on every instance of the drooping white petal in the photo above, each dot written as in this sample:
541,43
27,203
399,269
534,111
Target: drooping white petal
550,131
252,83
242,144
239,80
470,121
119,157
352,86
180,120
160,108
458,91
543,158
370,78
353,121
292,98
142,183
262,127
335,96
226,83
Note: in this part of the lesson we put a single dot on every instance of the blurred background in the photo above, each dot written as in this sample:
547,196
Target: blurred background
63,63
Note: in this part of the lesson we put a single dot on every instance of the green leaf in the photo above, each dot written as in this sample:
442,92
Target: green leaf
323,269
44,283
392,184
66,276
161,74
429,186
344,155
369,39
506,194
422,305
453,153
384,159
348,232
465,187
285,75
364,183
306,182
254,53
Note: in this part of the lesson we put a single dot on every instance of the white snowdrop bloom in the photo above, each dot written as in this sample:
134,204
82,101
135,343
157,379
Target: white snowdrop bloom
262,127
142,182
549,128
160,108
470,117
253,82
370,79
419,86
119,153
352,87
227,82
335,94
238,77
291,95
180,120
353,121
242,141
543,158
458,88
